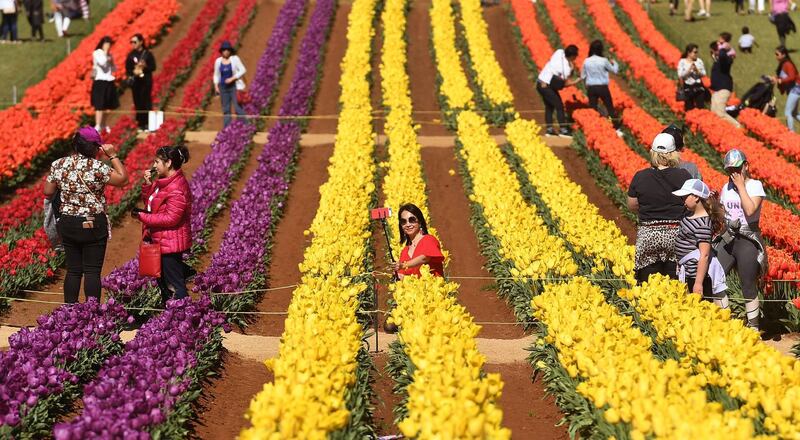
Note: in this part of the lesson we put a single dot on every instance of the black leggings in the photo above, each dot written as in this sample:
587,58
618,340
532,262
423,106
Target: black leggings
743,254
552,102
668,268
695,98
142,101
708,291
173,276
596,93
85,250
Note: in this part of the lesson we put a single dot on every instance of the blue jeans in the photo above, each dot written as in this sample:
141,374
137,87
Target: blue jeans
228,96
791,104
9,27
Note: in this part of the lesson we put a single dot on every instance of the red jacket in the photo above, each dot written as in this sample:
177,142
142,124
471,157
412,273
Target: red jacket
168,222
790,79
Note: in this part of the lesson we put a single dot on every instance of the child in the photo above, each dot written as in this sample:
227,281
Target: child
724,43
702,272
747,41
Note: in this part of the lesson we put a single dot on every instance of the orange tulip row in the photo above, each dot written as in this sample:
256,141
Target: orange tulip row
773,132
51,110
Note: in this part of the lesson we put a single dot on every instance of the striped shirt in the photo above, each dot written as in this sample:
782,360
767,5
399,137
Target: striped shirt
692,232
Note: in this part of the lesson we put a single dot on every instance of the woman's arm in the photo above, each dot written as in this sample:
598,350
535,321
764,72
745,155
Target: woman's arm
216,76
239,67
50,189
702,266
683,69
612,66
750,204
175,205
633,204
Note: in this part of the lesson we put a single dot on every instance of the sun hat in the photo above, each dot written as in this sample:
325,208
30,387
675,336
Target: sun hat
734,159
663,143
90,134
226,45
693,186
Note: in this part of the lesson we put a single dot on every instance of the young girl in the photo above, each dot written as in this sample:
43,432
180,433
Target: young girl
702,273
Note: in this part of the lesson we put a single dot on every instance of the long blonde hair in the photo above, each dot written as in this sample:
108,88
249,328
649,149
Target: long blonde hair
671,159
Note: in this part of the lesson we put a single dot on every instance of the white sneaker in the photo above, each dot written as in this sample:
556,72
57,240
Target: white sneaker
620,133
701,13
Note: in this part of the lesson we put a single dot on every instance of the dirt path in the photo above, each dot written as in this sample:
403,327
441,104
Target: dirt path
327,99
422,71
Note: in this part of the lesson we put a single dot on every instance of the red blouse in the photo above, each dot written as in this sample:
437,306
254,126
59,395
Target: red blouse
428,246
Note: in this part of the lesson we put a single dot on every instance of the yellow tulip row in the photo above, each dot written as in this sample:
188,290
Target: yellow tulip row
725,352
618,372
578,219
454,86
316,364
449,397
490,75
524,238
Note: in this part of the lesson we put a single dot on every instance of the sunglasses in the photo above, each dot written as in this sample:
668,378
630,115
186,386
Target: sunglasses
134,41
412,220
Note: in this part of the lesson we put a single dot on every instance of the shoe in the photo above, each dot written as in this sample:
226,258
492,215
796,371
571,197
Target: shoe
620,133
550,132
565,133
108,129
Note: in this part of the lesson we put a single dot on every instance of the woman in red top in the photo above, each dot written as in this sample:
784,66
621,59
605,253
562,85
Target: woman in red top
420,247
788,83
166,219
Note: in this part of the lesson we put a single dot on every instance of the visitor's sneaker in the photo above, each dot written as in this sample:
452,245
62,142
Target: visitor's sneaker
565,133
620,133
550,132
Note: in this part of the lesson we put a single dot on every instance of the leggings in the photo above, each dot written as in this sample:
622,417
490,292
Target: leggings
668,268
743,253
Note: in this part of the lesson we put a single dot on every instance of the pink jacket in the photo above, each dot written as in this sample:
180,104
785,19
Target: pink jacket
168,222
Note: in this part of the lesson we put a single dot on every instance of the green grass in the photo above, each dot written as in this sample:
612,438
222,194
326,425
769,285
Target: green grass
26,64
748,67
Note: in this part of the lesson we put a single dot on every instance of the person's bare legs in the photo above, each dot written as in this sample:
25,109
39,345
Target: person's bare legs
98,120
687,13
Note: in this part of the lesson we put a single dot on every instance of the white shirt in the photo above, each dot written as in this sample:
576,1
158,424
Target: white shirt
238,71
684,67
746,41
103,66
733,203
558,66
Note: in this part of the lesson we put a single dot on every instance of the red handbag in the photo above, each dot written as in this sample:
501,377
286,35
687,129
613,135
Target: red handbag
242,97
149,259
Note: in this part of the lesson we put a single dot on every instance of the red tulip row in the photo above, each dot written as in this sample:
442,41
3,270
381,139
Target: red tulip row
773,132
36,257
778,224
47,112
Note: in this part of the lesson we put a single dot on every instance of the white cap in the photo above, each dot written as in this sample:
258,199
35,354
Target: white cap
664,143
693,186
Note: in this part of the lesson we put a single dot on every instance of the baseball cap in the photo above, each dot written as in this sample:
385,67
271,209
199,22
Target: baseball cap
693,186
734,159
664,143
89,134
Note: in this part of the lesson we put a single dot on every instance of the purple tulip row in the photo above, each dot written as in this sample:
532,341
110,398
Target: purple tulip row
245,243
136,392
214,177
39,362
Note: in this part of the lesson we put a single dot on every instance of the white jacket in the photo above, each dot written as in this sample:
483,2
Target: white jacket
103,67
238,71
558,66
715,271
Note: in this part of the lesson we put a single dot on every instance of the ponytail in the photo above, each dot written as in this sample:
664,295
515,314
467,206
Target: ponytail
178,154
716,212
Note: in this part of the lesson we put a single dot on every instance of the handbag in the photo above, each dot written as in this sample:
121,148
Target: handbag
680,92
557,83
51,216
149,258
242,97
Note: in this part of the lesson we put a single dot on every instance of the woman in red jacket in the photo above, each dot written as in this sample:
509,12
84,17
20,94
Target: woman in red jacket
420,248
788,83
166,218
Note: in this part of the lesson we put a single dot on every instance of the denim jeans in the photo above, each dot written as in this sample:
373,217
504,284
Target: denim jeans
9,27
173,276
791,105
228,96
85,250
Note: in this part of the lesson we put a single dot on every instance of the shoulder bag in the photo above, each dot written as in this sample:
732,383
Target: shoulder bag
149,258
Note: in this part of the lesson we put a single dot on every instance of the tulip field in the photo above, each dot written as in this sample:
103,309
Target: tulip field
537,330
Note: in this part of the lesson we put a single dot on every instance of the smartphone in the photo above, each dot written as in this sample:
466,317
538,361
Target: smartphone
153,174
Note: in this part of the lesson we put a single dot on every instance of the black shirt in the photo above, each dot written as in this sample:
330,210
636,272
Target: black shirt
653,188
150,64
721,78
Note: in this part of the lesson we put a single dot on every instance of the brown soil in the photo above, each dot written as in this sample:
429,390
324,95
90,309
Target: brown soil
526,101
386,399
326,103
422,71
225,401
527,411
186,14
289,243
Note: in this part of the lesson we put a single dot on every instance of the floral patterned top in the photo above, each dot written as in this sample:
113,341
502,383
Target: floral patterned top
75,196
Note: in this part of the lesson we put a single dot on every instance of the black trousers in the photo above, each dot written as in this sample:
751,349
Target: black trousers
173,276
695,98
552,102
668,268
597,93
708,291
85,249
142,101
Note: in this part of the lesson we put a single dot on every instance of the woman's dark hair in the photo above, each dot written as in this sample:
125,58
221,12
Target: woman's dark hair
571,51
726,36
140,37
596,48
104,40
713,46
85,148
716,212
783,51
418,214
178,154
689,48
